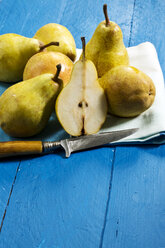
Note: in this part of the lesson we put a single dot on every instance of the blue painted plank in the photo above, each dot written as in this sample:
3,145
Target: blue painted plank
136,214
136,210
6,8
58,202
81,20
79,17
149,25
8,170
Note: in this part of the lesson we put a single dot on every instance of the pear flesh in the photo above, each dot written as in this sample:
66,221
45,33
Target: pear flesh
15,51
81,106
129,91
56,32
25,107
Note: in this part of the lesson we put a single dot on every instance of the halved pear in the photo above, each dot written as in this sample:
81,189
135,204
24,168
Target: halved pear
81,106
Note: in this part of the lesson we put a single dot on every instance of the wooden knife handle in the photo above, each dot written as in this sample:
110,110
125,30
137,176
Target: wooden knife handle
13,148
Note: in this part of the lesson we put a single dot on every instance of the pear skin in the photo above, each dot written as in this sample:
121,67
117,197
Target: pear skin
25,107
129,91
81,106
45,62
106,48
56,32
15,52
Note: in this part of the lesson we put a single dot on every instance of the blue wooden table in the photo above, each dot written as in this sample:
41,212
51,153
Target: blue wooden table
110,197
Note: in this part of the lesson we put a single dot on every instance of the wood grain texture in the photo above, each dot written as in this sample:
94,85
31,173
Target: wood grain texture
14,148
88,227
136,212
149,25
7,173
100,198
39,214
8,168
59,202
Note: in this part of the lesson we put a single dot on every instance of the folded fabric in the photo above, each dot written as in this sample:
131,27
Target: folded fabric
151,123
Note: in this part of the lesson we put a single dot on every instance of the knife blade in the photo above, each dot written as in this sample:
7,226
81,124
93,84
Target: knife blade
14,148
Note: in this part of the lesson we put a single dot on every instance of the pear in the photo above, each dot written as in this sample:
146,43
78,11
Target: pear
25,107
106,48
129,91
46,62
81,106
15,51
56,32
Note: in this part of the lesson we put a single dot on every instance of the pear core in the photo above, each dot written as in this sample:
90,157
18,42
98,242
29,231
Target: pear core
81,106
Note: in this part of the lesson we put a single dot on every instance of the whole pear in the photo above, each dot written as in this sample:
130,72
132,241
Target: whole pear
46,62
15,51
106,48
25,107
56,32
81,106
129,91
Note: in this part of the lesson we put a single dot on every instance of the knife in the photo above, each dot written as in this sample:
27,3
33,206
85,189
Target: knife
13,148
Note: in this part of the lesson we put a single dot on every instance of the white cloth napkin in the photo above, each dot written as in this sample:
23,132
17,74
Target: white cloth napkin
151,123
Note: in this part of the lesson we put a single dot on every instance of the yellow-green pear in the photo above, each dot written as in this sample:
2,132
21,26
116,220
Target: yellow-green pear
25,107
46,62
106,48
129,91
15,51
56,32
81,106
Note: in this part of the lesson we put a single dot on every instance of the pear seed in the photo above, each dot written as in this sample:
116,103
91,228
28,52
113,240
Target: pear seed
80,104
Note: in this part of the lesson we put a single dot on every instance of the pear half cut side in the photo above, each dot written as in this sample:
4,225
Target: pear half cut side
81,106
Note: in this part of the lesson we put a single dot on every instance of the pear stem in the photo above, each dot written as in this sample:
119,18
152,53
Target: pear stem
106,15
57,73
83,48
53,43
